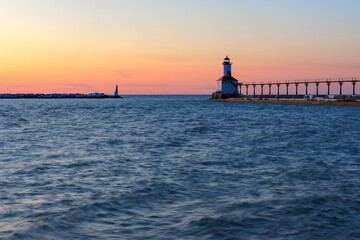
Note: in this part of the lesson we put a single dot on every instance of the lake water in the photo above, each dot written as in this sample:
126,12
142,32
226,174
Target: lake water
178,167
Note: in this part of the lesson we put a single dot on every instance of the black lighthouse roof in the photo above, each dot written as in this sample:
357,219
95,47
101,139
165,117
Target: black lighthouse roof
229,77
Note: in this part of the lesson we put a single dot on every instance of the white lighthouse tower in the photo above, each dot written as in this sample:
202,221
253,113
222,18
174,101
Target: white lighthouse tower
227,66
227,85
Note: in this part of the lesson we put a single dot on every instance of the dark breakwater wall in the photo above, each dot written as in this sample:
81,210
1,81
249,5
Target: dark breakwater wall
55,95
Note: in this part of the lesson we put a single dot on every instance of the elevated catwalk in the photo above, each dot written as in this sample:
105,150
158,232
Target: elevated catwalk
317,82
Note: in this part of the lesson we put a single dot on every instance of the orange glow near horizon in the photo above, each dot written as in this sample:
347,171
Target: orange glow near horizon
169,48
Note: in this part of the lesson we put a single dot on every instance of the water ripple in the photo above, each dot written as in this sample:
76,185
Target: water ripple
178,167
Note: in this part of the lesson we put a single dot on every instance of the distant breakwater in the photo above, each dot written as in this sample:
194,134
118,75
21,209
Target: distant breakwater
55,95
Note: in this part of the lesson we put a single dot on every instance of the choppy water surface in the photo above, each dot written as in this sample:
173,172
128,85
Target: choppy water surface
178,167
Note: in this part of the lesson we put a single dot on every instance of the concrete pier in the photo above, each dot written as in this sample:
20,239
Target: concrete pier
317,87
296,85
287,88
328,84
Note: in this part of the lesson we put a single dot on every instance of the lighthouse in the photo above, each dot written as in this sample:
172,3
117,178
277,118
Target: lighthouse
116,93
227,85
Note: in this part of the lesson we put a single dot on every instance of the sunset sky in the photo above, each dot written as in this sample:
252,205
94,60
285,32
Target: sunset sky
172,46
